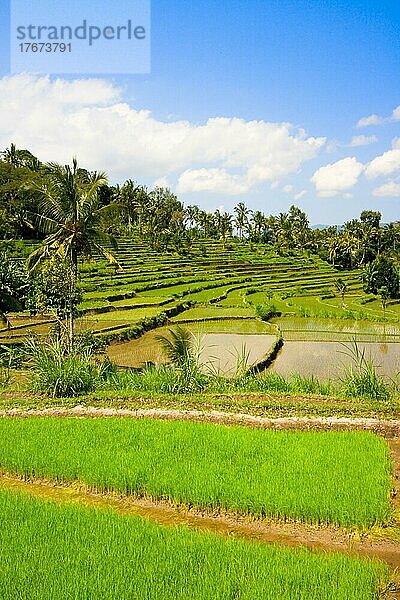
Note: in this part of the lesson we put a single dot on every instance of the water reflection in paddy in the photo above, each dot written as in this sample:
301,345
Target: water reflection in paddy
328,360
321,347
222,345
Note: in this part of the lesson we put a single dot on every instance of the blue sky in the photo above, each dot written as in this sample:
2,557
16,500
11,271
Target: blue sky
319,65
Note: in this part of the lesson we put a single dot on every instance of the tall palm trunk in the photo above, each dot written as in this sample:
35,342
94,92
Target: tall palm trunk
71,308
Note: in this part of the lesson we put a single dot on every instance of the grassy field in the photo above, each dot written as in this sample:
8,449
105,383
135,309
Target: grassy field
53,552
325,477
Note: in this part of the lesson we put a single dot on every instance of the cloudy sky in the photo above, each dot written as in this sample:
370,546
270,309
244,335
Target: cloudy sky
270,102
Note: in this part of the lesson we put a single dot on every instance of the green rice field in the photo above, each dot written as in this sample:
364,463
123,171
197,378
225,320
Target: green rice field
50,551
320,477
216,284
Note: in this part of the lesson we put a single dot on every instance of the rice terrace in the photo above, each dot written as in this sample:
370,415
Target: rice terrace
193,404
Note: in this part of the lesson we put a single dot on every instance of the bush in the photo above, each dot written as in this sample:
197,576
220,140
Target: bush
60,373
267,311
162,379
361,379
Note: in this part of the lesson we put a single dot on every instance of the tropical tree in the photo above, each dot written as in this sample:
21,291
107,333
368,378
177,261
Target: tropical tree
242,217
257,222
69,213
13,287
382,273
224,226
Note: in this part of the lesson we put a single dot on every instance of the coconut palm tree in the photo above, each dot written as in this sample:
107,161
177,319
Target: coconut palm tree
242,217
258,221
224,227
69,214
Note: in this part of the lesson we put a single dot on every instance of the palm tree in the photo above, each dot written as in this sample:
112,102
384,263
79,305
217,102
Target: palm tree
258,221
179,347
224,226
192,214
69,214
241,219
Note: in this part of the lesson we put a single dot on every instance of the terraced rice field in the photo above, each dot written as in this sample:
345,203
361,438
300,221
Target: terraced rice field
320,477
227,285
51,551
151,283
220,343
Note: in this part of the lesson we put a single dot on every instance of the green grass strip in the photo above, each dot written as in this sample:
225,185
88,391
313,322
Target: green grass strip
336,477
53,552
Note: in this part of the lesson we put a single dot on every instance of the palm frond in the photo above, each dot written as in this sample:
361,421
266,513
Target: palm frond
178,348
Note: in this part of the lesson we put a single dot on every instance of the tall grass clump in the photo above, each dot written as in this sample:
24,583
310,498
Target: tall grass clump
182,349
361,379
52,551
328,477
156,379
62,372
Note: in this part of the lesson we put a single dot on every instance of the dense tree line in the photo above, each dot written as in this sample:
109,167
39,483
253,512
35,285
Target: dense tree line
76,211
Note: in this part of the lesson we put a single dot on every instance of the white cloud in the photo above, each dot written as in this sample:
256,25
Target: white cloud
161,182
396,143
362,140
300,195
211,180
59,119
396,114
336,177
391,189
371,120
377,120
288,189
385,164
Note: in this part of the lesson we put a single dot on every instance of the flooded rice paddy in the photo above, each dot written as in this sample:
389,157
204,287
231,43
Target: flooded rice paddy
222,346
312,346
324,347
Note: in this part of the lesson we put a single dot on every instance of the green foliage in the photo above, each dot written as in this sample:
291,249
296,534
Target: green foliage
59,372
53,288
153,380
13,286
181,350
178,346
382,273
361,379
335,477
266,311
53,551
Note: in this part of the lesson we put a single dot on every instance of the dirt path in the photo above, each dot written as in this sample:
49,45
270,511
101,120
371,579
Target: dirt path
385,427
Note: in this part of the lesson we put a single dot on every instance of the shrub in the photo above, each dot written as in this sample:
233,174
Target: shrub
267,311
60,373
361,379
